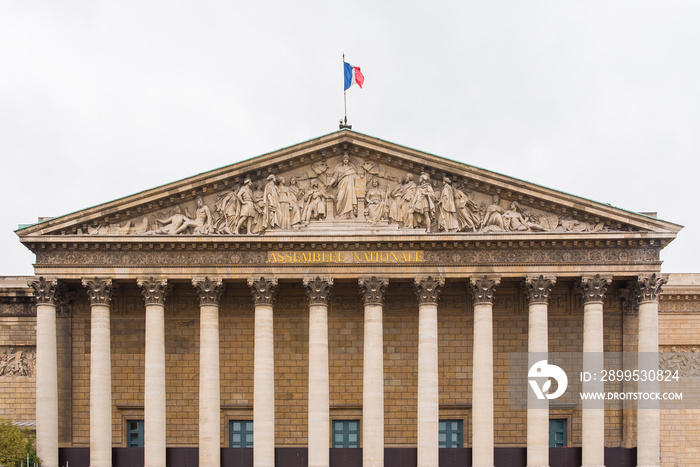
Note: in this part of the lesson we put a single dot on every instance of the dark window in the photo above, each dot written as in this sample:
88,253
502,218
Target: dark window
451,433
557,433
240,433
346,433
134,433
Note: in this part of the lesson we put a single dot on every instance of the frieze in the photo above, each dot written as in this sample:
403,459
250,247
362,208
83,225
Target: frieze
348,188
17,308
685,360
679,304
17,361
483,255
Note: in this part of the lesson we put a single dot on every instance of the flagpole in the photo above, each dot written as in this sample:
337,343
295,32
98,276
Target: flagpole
345,99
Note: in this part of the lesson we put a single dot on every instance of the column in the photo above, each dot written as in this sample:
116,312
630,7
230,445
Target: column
427,289
209,290
537,290
630,310
154,292
318,291
264,291
593,414
100,293
648,289
482,386
373,290
46,371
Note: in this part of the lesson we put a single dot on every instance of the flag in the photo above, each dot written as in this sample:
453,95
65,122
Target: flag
353,75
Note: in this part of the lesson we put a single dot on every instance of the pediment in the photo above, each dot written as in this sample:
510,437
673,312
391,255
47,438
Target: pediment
347,183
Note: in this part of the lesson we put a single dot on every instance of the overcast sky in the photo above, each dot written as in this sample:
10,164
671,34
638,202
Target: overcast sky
103,99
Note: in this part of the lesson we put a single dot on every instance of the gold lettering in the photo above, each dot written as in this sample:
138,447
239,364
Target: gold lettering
341,257
419,256
394,257
296,257
272,259
384,257
356,257
367,257
288,257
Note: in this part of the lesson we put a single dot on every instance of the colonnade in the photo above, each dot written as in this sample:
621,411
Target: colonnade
318,291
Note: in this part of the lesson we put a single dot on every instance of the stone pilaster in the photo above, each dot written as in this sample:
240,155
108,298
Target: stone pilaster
154,292
537,289
45,292
264,291
100,293
647,290
427,290
373,290
593,414
482,290
210,291
318,291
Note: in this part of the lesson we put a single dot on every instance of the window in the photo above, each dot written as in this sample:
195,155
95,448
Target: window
134,433
346,433
451,433
240,433
557,433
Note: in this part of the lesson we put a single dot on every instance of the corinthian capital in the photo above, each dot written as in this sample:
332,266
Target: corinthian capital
427,289
373,289
44,290
537,288
318,289
483,289
209,289
593,288
648,288
99,290
263,290
154,290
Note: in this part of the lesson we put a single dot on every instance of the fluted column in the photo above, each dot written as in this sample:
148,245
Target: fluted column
264,291
46,371
537,289
427,290
100,294
154,292
647,290
318,291
482,386
593,414
373,290
209,290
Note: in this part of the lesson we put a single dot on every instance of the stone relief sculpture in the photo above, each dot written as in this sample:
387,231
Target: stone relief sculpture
17,362
335,189
685,361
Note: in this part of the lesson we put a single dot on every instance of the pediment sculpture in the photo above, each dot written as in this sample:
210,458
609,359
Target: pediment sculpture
348,189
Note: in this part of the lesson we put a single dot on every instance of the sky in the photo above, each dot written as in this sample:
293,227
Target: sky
103,99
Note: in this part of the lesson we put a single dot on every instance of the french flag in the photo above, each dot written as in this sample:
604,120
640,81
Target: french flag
353,75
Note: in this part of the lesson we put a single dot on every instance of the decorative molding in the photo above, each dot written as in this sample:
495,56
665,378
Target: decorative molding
209,290
44,290
263,290
648,288
17,361
537,288
483,289
99,291
593,289
318,289
373,289
154,290
428,289
18,307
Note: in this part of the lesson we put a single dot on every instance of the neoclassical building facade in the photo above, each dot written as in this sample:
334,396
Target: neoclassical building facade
344,301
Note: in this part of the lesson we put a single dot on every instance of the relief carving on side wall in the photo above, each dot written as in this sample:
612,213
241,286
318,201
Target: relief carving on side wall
350,189
17,361
685,360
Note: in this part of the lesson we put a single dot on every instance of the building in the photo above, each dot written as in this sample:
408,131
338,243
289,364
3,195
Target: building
345,292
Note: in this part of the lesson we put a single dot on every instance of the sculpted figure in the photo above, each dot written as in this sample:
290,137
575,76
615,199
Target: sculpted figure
201,222
228,207
409,192
314,203
422,210
345,199
447,211
467,211
259,202
170,225
519,220
398,205
493,218
296,200
375,204
271,200
284,214
248,213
